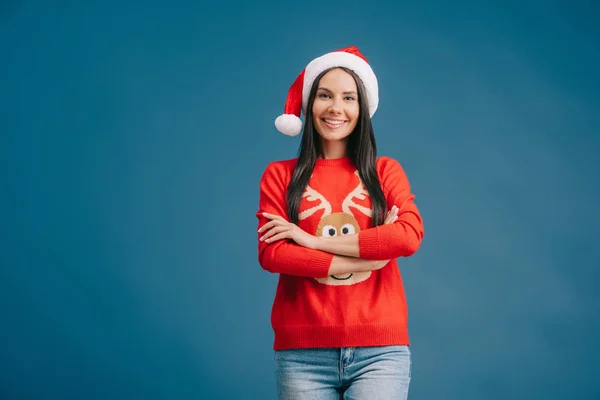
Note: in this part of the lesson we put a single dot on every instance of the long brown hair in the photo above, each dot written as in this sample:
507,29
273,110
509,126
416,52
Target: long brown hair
362,150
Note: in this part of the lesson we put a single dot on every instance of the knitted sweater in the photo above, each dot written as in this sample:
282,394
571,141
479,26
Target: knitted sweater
312,309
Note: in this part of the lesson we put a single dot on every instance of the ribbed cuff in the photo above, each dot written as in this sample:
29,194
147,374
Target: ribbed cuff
369,244
319,263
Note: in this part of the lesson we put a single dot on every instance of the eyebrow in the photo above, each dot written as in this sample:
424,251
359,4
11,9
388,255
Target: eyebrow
348,92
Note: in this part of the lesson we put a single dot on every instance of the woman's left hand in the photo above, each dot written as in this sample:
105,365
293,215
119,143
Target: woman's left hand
278,228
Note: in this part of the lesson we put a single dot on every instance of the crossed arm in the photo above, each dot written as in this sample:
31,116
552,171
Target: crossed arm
348,245
307,255
345,249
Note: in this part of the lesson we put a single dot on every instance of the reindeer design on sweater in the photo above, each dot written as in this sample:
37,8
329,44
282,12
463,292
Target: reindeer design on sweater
338,223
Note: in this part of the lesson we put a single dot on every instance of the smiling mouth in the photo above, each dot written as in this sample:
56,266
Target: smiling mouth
332,124
341,279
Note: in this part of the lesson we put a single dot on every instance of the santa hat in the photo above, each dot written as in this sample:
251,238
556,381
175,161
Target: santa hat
289,123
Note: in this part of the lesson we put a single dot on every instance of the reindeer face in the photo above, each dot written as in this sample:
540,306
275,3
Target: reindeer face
338,224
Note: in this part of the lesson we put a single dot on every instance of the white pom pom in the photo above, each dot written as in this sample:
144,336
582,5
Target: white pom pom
289,124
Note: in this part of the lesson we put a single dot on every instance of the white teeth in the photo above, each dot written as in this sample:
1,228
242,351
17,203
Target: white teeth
333,122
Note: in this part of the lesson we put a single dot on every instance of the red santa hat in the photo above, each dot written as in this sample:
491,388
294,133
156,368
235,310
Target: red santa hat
289,123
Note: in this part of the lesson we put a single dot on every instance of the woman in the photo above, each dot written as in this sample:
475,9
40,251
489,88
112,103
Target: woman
332,223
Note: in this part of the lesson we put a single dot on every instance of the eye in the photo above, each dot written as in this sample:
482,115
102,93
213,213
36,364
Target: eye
323,95
348,229
329,231
350,98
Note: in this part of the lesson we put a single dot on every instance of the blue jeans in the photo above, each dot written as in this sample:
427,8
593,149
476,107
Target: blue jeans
351,373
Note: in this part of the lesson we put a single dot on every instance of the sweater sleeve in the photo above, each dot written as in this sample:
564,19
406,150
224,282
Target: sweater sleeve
285,256
403,237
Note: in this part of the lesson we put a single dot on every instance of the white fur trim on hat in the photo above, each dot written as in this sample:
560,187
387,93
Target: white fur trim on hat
289,124
342,59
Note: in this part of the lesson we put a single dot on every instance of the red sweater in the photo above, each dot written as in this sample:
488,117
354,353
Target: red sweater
361,309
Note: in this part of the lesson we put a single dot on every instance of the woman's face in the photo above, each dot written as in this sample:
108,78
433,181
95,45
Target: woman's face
336,109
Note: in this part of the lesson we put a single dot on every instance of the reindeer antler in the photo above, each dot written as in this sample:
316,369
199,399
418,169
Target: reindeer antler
359,192
312,195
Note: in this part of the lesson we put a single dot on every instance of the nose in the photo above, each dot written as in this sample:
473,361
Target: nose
334,107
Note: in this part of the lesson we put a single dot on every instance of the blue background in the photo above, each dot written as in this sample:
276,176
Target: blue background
133,137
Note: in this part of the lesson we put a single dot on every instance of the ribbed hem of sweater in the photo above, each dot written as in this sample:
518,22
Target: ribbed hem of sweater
297,337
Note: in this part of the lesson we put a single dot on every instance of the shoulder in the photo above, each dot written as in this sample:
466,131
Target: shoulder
386,165
281,170
391,172
282,165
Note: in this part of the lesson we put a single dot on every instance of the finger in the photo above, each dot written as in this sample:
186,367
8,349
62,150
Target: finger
279,236
273,223
265,227
391,220
269,225
270,233
273,216
273,231
390,216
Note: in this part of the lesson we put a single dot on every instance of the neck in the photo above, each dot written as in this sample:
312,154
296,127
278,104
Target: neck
334,149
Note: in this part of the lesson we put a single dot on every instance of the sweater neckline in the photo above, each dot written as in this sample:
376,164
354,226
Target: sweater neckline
330,162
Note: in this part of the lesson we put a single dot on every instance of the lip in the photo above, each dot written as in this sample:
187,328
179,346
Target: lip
332,126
